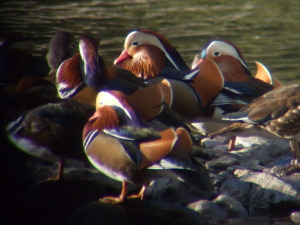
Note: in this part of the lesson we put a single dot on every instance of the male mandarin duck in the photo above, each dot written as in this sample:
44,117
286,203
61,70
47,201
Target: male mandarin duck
83,75
240,87
275,114
61,47
148,54
119,144
52,131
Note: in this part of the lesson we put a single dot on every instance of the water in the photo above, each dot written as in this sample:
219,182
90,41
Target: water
267,31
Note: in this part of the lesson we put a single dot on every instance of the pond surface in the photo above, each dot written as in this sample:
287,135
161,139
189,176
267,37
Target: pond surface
267,31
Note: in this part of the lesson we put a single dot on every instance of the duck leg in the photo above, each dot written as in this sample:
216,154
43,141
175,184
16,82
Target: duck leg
60,170
140,195
231,143
295,161
117,200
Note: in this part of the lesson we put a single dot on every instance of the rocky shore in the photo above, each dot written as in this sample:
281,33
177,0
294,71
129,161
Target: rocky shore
248,190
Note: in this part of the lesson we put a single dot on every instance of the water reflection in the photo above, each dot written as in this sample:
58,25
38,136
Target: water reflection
267,31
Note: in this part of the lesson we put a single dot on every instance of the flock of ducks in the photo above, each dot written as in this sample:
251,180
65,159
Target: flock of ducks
135,120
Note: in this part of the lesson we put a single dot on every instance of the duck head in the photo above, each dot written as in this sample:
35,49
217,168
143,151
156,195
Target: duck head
151,42
228,57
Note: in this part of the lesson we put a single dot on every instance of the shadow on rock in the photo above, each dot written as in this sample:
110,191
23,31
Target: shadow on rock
135,212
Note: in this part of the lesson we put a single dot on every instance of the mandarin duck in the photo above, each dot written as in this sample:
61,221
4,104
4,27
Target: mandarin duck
83,75
240,87
148,54
275,114
122,146
52,131
61,47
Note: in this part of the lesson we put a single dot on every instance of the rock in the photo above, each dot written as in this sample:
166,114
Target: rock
262,193
217,141
234,208
266,153
210,210
293,179
295,217
223,162
251,141
135,212
50,202
239,190
268,181
173,191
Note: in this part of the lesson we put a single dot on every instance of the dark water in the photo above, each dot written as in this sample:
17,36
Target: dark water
268,31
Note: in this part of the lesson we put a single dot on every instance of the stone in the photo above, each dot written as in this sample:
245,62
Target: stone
223,162
295,217
218,140
266,153
210,210
173,191
135,212
268,181
234,208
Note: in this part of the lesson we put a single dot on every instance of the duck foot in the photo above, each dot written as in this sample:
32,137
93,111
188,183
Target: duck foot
111,200
289,170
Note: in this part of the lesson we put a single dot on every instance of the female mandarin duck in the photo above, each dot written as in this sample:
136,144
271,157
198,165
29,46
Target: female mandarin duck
277,113
148,54
240,87
52,131
120,145
82,76
61,47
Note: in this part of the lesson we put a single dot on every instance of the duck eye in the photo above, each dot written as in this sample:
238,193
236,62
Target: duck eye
135,43
216,53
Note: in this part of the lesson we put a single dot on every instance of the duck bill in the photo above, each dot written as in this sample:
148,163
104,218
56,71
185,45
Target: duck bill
124,55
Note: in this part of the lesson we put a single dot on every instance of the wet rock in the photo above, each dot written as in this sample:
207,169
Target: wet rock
210,210
135,212
233,207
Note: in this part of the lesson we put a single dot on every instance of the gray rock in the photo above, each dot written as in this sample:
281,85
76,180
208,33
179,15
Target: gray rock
173,191
295,217
268,181
238,190
293,179
135,213
210,210
217,141
265,153
261,192
251,141
223,162
233,207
